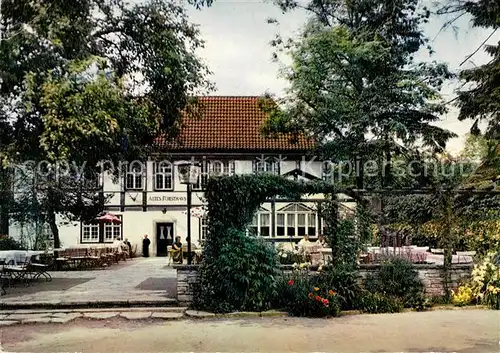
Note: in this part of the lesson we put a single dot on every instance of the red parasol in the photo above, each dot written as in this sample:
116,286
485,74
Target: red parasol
110,218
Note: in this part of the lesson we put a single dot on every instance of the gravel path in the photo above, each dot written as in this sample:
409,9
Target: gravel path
470,331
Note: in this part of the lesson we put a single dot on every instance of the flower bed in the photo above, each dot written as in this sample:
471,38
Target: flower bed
484,285
430,275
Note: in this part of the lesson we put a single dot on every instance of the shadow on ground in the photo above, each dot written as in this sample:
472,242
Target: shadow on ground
57,284
159,284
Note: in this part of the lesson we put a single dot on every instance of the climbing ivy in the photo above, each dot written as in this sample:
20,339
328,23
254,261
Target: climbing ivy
232,201
238,272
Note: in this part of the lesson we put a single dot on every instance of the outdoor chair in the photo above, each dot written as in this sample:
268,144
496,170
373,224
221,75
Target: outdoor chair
2,279
19,272
95,259
170,255
38,270
113,256
61,259
77,257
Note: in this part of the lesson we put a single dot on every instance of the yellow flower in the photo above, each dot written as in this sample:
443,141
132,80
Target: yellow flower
316,289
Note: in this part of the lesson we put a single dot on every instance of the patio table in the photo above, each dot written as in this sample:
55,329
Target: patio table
456,259
18,257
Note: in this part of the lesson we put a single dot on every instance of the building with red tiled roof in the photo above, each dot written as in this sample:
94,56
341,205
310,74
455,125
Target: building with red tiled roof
224,137
230,124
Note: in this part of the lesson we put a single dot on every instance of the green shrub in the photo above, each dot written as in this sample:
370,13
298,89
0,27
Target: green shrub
299,296
7,243
397,278
343,279
377,303
245,275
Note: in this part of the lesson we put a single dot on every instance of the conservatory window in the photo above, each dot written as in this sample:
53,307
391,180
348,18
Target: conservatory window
296,220
261,224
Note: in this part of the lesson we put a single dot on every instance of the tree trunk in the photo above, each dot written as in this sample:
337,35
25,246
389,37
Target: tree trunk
359,172
51,217
54,229
5,199
447,241
387,168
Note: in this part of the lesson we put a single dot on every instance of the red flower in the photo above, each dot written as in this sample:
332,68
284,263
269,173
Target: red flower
318,298
325,302
291,282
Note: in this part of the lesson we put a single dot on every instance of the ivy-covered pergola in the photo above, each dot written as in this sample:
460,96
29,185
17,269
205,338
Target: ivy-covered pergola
237,271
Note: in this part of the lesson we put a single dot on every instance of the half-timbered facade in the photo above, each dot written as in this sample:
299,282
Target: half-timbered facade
226,140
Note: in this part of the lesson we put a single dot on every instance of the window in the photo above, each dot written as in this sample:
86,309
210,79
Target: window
265,225
261,224
311,224
218,168
213,168
301,224
296,220
280,224
267,165
290,224
164,176
203,178
111,231
90,233
203,228
254,226
134,177
101,232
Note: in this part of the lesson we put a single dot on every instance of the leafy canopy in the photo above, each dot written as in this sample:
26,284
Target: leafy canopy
91,80
354,83
479,99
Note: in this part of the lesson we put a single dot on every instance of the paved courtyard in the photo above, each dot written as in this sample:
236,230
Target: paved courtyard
139,279
461,331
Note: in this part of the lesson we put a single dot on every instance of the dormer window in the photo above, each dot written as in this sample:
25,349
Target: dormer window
164,176
134,177
213,168
203,178
219,168
267,165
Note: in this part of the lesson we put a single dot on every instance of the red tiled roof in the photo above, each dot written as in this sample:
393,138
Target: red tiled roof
229,123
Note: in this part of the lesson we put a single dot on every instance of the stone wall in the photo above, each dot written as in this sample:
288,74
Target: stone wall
187,275
431,276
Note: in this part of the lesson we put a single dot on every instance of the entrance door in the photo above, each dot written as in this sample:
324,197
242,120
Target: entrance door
164,237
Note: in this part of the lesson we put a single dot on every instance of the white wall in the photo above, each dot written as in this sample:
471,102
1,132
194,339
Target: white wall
136,223
69,232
